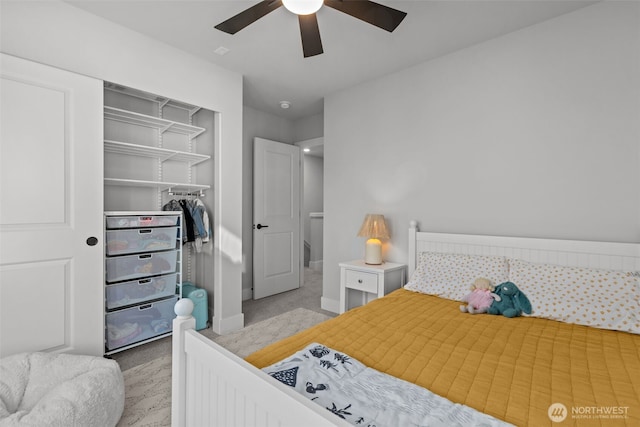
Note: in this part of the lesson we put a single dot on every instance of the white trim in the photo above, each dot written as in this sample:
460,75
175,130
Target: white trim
316,265
228,324
411,264
331,305
179,364
574,253
301,220
213,387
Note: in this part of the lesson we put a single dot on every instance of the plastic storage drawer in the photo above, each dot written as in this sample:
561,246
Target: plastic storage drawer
134,324
142,221
130,267
141,240
137,291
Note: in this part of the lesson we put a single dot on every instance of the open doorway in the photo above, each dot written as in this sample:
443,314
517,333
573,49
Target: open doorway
309,295
277,194
313,201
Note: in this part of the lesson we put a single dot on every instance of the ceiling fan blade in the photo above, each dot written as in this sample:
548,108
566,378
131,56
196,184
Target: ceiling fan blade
248,16
376,14
310,34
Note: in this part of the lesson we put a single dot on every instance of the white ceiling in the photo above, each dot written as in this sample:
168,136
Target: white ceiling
268,52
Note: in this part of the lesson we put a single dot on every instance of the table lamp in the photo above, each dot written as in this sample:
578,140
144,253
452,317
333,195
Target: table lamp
373,228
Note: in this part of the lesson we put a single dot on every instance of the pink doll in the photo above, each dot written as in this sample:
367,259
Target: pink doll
480,297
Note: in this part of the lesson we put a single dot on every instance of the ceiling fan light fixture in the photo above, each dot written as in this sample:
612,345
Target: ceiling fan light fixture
303,7
379,15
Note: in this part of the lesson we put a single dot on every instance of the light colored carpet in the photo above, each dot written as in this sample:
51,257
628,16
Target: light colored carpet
148,386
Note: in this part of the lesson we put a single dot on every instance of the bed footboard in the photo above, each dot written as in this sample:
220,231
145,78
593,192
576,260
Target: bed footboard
211,386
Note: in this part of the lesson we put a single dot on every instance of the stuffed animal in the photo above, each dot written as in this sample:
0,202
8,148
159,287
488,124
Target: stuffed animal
480,297
513,303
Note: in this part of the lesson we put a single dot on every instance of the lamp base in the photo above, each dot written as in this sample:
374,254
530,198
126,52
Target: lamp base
373,252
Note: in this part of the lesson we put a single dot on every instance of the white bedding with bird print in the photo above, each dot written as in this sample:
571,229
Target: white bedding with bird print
366,397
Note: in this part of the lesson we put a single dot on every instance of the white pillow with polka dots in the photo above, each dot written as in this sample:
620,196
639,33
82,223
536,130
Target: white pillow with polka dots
451,275
605,299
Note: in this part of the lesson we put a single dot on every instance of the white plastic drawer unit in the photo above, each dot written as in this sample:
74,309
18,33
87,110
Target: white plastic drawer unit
142,322
141,221
138,291
131,241
131,267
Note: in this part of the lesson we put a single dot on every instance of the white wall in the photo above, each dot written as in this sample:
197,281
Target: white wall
313,190
61,35
536,133
308,127
308,130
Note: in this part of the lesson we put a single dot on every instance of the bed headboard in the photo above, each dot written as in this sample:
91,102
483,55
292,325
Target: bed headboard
573,253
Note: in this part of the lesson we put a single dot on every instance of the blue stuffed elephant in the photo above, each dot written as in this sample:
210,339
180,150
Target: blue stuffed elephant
512,302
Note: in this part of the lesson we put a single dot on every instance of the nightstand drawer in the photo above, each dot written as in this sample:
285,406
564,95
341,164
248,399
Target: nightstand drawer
367,282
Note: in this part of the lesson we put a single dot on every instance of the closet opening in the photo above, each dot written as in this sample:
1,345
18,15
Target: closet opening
158,157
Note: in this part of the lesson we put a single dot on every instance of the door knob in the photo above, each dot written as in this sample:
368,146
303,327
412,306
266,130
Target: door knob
259,226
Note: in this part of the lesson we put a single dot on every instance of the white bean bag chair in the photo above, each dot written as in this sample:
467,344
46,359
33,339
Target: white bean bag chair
46,389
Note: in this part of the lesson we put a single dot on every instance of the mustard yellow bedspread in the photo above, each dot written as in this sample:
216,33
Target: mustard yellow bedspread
512,369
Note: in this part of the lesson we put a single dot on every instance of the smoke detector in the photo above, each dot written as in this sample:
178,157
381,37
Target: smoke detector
221,51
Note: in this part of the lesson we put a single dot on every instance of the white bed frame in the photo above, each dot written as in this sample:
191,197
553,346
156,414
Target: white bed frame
213,387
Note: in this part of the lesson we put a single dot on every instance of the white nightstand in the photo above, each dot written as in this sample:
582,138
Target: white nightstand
373,281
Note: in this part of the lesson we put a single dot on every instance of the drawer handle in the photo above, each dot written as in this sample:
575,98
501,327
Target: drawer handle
359,280
145,231
145,256
146,218
144,282
145,307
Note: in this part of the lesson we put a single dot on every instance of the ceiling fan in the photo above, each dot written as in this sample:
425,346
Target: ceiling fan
374,13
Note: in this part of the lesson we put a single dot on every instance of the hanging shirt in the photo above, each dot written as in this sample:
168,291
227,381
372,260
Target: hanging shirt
174,205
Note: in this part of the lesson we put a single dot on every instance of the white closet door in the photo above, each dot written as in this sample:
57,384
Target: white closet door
51,164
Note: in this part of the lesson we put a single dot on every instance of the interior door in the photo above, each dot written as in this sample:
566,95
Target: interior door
51,250
276,218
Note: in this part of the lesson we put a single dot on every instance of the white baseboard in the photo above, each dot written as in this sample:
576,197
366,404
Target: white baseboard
316,265
227,325
247,294
330,305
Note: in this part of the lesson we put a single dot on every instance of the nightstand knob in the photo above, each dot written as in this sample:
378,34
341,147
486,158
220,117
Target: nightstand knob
359,280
